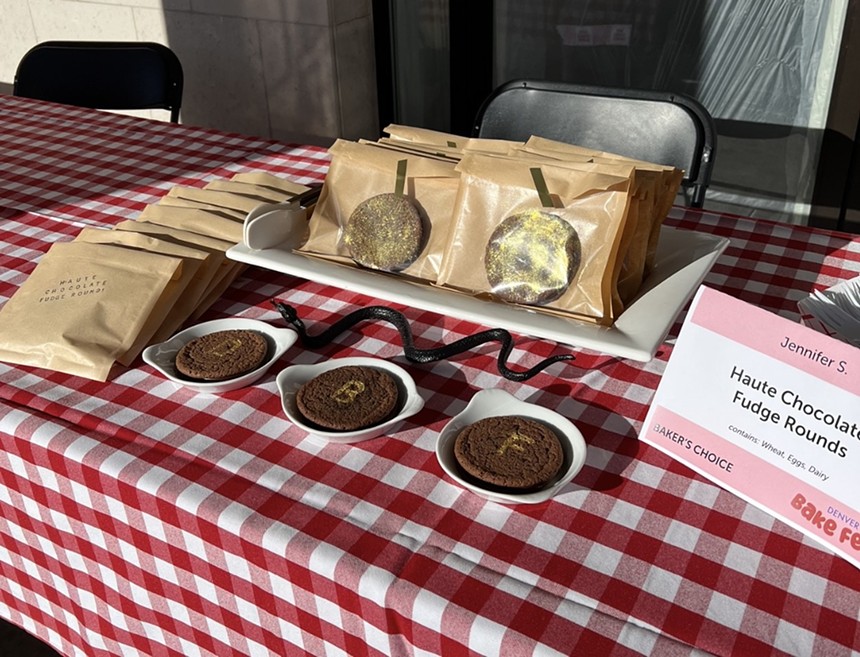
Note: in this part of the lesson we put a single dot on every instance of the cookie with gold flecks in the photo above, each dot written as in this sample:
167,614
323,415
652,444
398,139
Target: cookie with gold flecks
385,232
532,257
510,452
222,355
348,398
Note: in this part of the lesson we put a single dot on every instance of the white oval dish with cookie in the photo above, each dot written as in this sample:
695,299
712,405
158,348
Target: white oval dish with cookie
162,356
497,404
291,380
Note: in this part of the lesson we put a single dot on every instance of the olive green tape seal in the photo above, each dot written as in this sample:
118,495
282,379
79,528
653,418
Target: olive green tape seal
401,178
541,188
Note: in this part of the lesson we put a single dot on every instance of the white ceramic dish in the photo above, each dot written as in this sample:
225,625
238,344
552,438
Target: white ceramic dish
162,356
492,403
683,259
294,377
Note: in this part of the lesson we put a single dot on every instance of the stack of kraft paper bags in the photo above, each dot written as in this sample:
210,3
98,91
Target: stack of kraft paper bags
100,299
549,226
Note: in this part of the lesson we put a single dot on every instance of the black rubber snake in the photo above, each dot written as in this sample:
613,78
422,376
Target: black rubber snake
412,353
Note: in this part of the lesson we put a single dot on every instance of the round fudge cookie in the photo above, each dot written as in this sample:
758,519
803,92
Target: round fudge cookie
348,398
532,257
509,451
222,355
385,232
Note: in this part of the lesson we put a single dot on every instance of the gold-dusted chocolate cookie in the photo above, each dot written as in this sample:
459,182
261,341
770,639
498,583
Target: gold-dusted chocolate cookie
532,257
509,451
348,398
222,355
385,232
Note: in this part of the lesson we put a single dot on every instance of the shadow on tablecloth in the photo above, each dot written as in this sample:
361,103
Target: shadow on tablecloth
15,642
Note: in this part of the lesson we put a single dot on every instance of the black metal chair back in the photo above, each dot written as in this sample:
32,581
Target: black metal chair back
659,127
115,75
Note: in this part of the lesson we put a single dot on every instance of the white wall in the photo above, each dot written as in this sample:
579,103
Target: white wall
293,70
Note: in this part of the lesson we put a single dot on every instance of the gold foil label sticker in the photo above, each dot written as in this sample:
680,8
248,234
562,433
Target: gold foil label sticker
515,442
347,393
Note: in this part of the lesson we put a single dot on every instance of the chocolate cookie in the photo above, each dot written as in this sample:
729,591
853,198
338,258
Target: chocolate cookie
510,452
348,398
532,257
385,232
222,355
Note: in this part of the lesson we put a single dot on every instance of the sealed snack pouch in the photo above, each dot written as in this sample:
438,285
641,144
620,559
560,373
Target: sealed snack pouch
219,270
384,210
86,306
538,234
666,186
271,181
426,136
187,290
645,186
445,144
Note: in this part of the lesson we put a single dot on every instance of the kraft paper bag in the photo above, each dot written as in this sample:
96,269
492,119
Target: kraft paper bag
443,142
251,190
230,200
635,241
425,136
361,171
84,306
180,202
271,181
665,193
225,270
190,285
195,220
495,190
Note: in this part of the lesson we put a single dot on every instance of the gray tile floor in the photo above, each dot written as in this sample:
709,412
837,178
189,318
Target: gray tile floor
15,642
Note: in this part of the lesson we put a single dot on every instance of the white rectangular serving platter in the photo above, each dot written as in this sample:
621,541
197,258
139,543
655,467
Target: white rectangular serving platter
683,260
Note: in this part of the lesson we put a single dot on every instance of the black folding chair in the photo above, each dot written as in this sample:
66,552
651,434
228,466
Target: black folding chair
114,75
659,127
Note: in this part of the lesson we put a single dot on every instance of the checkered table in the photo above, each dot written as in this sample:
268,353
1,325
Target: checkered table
138,518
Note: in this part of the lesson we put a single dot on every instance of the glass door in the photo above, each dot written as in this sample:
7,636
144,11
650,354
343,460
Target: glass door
764,70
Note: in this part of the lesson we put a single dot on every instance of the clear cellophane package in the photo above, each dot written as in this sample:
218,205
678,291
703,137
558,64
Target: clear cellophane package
465,187
496,189
666,185
360,171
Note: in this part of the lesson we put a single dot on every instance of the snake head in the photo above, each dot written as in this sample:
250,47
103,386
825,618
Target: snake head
290,314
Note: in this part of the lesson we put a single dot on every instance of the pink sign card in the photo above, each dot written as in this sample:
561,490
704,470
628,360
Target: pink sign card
770,410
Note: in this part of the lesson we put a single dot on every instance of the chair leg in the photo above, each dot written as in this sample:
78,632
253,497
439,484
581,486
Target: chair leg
697,198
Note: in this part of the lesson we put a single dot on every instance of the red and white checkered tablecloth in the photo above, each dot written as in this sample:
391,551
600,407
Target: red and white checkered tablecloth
138,518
